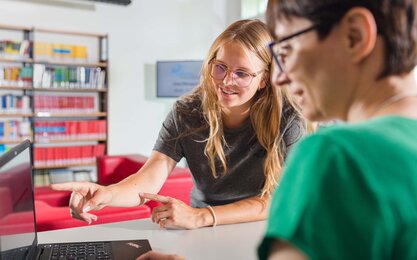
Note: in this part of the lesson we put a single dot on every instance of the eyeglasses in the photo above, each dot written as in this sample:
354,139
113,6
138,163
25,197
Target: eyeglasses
241,78
277,50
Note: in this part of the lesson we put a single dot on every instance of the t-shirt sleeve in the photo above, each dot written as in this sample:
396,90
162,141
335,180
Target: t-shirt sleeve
293,132
302,204
169,139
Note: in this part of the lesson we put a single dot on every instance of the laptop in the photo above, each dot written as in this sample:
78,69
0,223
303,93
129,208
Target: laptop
18,237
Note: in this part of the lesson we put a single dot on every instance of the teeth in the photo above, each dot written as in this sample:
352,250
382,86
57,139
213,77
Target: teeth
227,92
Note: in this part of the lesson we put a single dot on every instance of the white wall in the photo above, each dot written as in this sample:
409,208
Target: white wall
139,35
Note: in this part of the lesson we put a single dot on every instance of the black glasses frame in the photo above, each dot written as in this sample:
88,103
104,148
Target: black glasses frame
286,38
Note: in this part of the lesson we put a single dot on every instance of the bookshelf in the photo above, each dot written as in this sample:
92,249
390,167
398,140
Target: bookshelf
53,91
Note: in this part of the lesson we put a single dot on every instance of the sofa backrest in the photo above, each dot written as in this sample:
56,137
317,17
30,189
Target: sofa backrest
114,168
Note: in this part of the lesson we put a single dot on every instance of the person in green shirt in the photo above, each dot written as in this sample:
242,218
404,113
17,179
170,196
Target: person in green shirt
348,191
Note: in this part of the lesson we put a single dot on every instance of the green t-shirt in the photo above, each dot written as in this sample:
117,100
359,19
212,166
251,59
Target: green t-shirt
350,192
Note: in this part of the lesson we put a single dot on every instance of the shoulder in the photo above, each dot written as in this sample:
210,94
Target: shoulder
188,112
293,126
188,105
356,135
338,144
190,102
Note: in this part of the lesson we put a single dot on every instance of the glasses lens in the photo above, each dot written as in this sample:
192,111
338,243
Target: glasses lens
218,71
242,78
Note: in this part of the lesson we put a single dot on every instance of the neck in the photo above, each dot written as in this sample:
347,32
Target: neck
233,118
391,95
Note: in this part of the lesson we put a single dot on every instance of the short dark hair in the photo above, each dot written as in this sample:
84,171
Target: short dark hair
395,20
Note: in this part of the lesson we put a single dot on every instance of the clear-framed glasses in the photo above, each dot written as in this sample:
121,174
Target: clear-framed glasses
278,51
242,78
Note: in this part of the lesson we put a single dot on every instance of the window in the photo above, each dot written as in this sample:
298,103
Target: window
253,8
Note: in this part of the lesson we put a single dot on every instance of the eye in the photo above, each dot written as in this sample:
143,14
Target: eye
220,68
283,52
241,74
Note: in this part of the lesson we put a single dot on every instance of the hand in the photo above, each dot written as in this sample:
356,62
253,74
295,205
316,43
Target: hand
174,213
85,196
152,255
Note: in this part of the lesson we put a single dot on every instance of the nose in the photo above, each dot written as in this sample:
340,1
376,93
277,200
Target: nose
229,78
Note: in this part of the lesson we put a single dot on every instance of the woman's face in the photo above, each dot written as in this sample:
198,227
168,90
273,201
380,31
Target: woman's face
237,74
316,71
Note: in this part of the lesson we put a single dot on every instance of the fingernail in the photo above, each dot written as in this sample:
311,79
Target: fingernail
86,209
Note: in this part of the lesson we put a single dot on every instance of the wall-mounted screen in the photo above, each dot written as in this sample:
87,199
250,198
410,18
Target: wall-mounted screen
176,78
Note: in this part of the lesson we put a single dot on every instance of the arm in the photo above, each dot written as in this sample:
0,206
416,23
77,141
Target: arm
90,196
149,178
175,213
246,210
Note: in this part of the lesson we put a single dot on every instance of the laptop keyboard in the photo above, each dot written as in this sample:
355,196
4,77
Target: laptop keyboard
79,251
13,254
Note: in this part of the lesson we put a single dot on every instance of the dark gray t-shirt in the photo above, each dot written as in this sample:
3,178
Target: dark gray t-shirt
245,156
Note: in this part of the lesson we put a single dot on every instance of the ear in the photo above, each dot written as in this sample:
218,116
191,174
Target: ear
264,81
360,30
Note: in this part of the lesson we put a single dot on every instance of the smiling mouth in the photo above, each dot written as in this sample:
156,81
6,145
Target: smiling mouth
227,91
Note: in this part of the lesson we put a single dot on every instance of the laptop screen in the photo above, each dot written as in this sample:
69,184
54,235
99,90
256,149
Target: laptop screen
17,220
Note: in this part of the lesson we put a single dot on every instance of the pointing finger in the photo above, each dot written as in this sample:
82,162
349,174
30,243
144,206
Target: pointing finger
155,197
81,187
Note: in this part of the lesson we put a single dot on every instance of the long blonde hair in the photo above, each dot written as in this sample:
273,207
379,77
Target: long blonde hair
266,111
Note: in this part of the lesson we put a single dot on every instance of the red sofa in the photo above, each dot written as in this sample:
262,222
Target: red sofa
52,206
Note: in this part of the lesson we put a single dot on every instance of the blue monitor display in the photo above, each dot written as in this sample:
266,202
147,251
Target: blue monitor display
176,78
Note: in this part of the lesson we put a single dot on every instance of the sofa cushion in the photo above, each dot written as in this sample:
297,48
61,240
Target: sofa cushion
52,197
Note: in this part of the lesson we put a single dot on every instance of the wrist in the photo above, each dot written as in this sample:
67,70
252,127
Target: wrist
213,215
205,218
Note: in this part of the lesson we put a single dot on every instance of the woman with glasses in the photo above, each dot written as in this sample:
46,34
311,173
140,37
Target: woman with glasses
349,60
234,130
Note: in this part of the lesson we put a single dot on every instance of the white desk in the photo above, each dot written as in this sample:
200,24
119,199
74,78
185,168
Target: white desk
237,241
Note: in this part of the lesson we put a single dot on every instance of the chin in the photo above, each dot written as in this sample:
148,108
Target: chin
313,116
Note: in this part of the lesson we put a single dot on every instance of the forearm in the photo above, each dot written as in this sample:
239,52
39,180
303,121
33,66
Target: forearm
126,192
149,178
251,209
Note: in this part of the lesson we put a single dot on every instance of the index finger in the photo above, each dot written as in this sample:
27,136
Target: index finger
81,187
155,197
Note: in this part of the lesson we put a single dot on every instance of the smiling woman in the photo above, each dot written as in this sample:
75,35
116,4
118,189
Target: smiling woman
235,130
348,191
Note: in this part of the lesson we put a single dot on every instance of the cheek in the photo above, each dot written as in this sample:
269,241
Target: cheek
306,66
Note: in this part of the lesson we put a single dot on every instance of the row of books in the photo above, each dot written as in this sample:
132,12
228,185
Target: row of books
59,156
46,51
15,49
65,104
68,77
46,177
16,76
12,104
15,130
70,130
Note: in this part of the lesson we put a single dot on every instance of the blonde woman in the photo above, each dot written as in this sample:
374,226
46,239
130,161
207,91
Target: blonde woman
234,130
